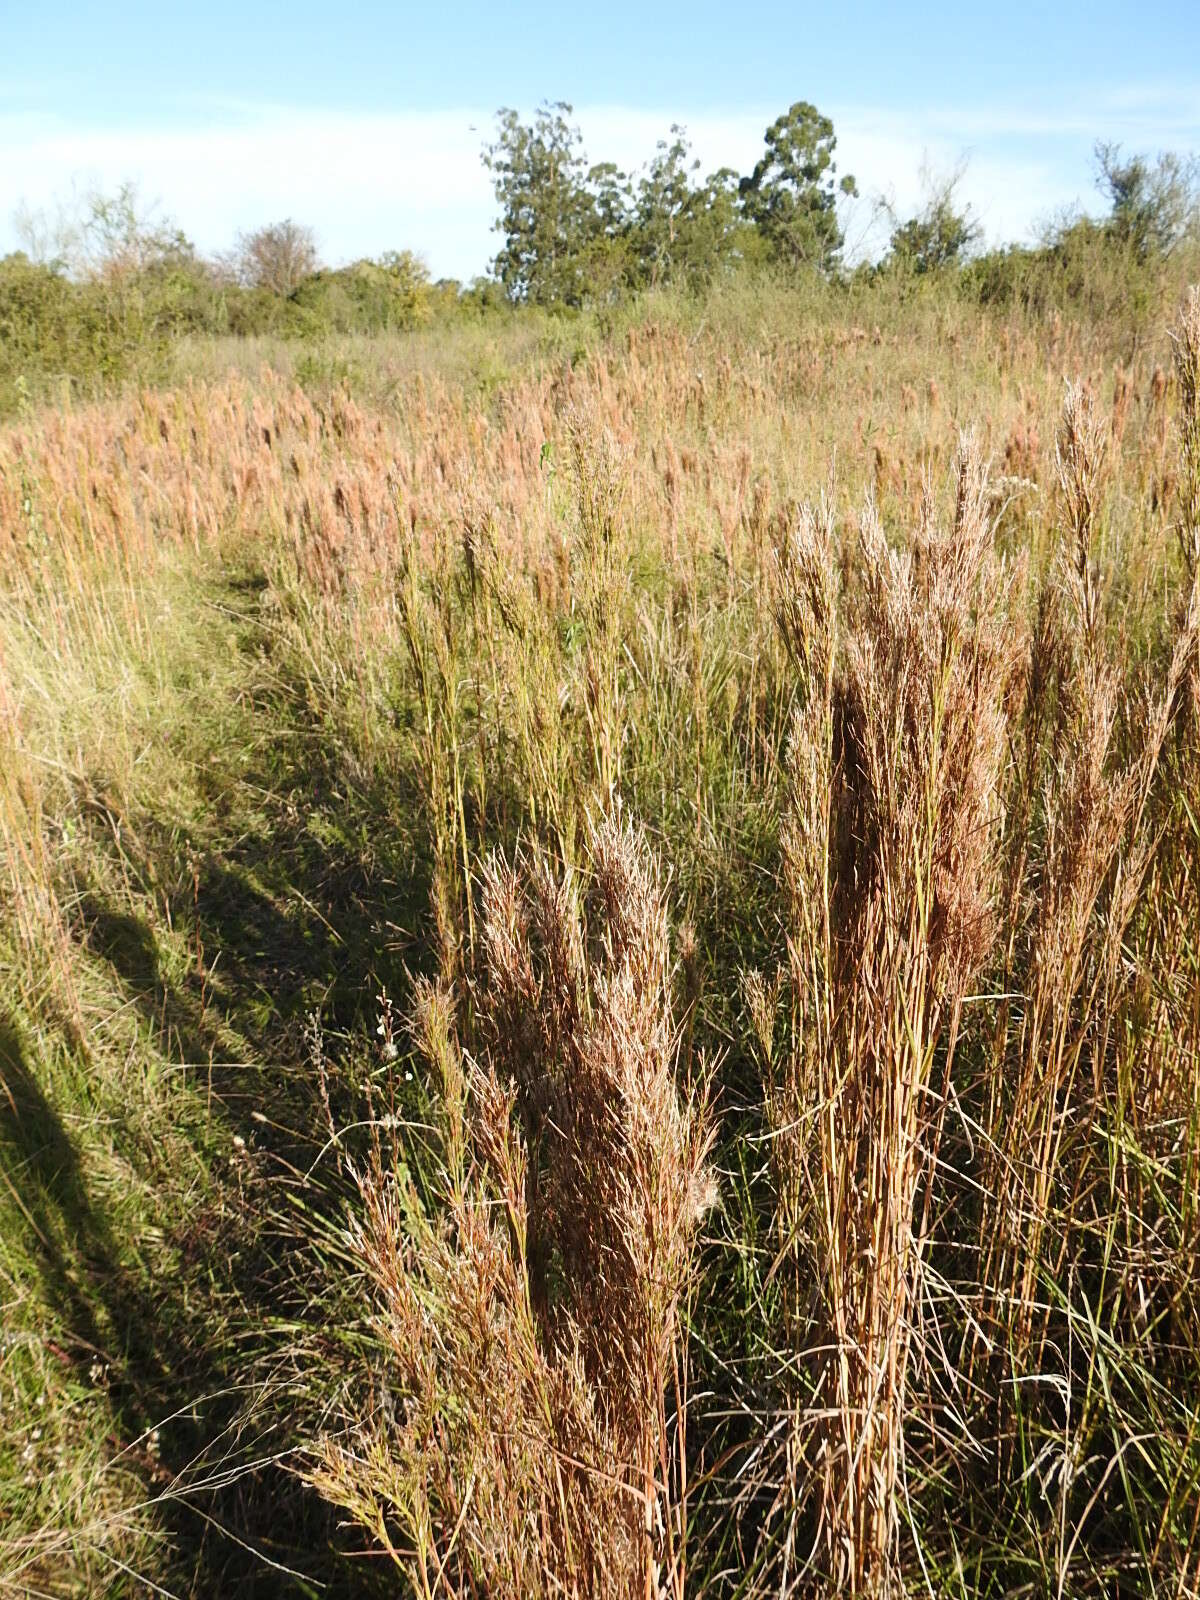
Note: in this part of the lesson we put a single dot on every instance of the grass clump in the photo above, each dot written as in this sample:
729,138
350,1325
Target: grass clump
889,857
530,1299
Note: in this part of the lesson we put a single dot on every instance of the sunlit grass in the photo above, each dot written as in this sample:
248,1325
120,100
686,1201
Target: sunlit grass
288,652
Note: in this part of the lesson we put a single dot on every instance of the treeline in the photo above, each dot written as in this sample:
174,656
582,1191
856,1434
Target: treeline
109,293
577,234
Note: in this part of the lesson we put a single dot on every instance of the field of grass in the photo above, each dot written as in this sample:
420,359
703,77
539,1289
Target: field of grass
600,960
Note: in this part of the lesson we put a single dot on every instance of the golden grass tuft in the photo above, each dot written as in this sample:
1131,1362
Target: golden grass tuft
533,1438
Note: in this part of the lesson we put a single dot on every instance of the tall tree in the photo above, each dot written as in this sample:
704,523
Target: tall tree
664,206
609,264
683,230
547,213
791,196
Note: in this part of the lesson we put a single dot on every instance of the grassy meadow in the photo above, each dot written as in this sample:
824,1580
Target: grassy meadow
600,957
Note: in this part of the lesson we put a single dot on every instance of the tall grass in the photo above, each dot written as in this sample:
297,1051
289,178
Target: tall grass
889,862
853,1248
530,1300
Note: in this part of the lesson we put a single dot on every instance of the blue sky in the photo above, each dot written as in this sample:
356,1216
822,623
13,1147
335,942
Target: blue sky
365,120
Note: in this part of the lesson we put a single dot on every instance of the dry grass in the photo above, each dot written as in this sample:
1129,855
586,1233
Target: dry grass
926,781
533,1441
890,865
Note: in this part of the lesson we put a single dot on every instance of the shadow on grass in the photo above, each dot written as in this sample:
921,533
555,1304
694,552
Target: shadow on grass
76,1252
302,894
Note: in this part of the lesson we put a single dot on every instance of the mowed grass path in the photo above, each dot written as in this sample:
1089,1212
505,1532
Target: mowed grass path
160,1170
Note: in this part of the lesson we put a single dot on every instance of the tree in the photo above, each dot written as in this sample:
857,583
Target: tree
609,262
104,236
664,206
940,234
548,215
791,196
611,198
1154,204
684,231
277,258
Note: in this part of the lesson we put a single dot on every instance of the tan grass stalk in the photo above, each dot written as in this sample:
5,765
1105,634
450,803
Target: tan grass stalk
889,862
1077,898
1186,339
531,1318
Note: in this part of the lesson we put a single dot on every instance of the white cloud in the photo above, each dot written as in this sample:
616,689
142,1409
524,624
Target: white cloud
1009,190
367,182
